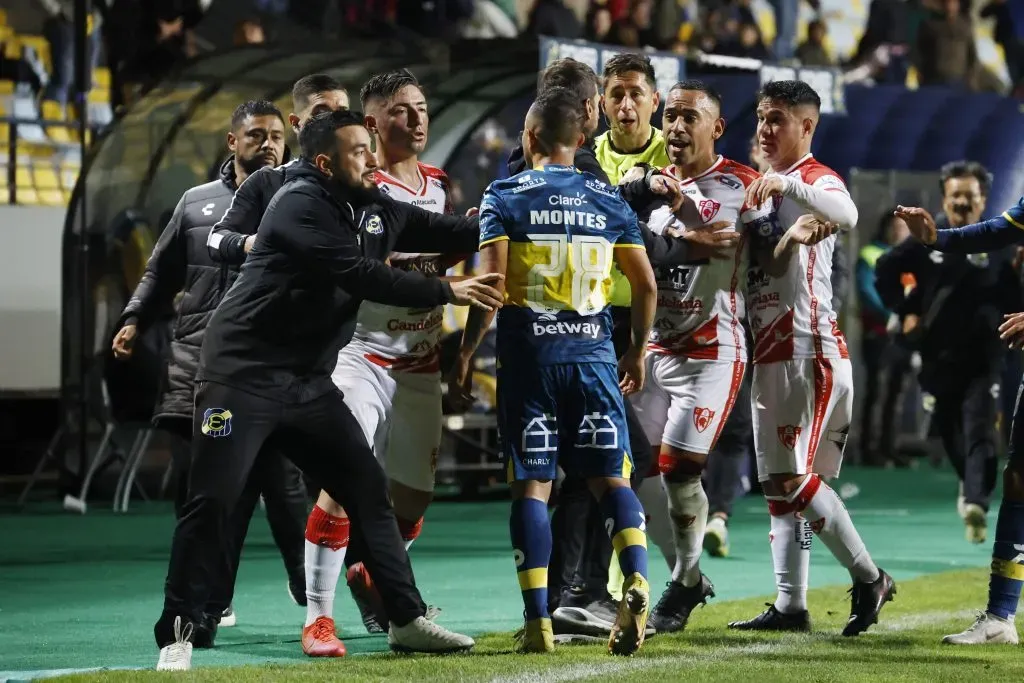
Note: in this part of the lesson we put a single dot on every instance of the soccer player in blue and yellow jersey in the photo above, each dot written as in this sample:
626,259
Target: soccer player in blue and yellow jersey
555,233
996,624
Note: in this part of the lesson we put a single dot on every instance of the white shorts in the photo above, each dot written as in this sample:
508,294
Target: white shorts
801,413
400,413
686,401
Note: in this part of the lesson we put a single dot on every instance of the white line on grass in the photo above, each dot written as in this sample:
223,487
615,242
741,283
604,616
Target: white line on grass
576,672
909,622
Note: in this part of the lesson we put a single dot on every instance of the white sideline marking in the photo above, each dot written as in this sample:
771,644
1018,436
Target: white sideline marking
909,622
578,672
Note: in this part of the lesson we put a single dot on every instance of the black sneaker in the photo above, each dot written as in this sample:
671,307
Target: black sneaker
866,601
595,619
673,610
204,634
773,620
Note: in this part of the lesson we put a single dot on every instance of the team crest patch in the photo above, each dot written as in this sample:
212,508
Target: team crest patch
708,209
788,434
216,422
374,225
702,418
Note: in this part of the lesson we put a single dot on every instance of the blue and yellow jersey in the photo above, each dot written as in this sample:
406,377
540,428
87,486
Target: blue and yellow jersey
990,235
562,227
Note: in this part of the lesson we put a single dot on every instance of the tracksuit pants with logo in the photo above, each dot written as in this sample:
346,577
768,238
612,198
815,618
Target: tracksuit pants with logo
280,483
230,429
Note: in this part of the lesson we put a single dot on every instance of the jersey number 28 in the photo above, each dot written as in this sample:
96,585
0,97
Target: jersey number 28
574,276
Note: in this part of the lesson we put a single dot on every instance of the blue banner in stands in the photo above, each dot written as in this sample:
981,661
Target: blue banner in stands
669,68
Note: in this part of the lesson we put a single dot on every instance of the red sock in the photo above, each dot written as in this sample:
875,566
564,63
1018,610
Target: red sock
327,530
410,530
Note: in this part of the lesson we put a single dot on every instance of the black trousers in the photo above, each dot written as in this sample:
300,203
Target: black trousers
965,418
732,453
231,428
887,366
582,550
280,483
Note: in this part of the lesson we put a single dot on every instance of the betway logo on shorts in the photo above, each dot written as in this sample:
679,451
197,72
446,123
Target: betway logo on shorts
547,326
568,216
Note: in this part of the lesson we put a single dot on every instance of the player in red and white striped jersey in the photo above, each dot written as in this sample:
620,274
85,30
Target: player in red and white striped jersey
698,344
803,383
389,373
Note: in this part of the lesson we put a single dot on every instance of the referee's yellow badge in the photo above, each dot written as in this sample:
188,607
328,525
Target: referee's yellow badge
216,422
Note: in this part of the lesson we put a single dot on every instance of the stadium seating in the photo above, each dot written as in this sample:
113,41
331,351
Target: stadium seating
48,156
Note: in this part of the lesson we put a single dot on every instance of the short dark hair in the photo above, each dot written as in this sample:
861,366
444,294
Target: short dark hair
313,84
628,62
317,136
700,86
965,169
791,93
385,85
572,75
559,115
254,108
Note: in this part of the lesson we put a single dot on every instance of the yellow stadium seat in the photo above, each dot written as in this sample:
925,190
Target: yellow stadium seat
45,177
12,48
51,198
101,78
22,177
27,195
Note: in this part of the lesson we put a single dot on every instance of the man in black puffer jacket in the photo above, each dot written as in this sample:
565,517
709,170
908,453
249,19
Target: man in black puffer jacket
181,262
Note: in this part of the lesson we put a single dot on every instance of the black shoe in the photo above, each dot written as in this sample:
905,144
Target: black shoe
588,615
866,601
773,620
205,633
673,610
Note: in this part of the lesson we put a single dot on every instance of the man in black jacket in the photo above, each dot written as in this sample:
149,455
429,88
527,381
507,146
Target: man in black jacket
180,263
954,315
265,370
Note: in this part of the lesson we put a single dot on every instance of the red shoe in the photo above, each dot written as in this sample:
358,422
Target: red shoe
371,607
319,639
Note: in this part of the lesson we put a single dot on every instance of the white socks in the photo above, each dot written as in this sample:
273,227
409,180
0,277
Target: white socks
688,511
829,519
791,555
326,543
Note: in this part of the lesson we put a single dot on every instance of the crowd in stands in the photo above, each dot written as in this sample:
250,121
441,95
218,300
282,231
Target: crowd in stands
133,44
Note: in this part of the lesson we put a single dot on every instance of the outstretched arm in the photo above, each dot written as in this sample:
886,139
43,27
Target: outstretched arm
995,233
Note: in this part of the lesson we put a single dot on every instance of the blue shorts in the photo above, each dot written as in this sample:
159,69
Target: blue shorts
567,415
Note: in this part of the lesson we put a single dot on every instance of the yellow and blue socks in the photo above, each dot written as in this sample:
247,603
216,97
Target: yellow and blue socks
531,542
626,522
1007,576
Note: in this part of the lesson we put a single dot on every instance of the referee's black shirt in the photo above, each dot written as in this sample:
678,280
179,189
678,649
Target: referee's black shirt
317,255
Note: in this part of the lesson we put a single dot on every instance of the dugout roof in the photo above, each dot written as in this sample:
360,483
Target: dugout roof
175,136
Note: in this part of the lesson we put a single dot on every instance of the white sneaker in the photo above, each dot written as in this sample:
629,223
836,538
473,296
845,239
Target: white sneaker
178,655
975,523
228,618
421,635
716,537
961,502
987,628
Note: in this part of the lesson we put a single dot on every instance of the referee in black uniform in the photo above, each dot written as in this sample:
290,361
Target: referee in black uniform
264,372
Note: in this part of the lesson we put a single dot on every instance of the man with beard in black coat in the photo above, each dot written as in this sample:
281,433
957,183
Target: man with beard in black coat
181,263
